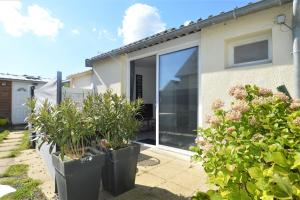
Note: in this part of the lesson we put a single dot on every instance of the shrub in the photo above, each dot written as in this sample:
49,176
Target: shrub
63,125
113,118
107,119
3,121
252,151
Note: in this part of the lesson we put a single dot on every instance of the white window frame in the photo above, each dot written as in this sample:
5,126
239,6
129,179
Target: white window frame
250,40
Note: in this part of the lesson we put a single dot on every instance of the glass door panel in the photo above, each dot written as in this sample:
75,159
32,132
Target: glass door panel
178,98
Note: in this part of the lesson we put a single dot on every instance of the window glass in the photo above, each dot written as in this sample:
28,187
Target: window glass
178,92
256,51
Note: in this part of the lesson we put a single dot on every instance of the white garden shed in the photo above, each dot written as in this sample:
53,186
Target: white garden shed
14,92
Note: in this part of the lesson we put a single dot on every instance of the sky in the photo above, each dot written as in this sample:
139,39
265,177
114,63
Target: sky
39,37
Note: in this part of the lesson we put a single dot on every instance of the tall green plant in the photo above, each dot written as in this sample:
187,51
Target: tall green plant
62,125
252,150
114,118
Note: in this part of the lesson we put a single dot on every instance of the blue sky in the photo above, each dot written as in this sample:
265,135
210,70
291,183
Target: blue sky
39,37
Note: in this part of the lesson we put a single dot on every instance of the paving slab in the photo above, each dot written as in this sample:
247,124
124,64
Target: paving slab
4,154
8,144
8,148
5,163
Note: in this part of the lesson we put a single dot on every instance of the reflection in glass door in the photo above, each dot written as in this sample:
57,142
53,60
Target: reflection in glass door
178,98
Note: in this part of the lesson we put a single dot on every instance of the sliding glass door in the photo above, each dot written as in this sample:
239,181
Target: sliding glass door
178,98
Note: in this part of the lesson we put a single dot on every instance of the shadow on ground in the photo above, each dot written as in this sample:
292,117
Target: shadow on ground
149,193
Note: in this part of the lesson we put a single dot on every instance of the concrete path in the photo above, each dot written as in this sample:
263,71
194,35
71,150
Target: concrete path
11,142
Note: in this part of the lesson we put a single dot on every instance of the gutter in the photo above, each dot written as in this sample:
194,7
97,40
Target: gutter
296,44
193,27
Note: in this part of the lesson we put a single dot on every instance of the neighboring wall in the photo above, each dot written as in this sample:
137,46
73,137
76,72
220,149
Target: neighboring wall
218,77
84,81
110,74
5,99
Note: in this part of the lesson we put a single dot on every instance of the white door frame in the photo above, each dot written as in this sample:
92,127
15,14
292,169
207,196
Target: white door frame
195,43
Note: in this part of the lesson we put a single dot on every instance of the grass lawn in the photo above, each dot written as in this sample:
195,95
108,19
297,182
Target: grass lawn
26,188
3,135
24,145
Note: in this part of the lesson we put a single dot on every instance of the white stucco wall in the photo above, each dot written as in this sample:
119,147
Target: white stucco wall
84,81
217,77
110,73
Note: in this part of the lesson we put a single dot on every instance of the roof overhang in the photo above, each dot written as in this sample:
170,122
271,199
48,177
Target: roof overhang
193,27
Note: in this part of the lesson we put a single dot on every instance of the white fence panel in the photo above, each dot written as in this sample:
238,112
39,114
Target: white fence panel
77,94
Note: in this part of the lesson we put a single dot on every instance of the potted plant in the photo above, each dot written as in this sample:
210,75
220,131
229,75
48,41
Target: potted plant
116,123
77,166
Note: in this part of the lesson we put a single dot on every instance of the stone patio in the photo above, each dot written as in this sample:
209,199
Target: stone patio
161,175
166,175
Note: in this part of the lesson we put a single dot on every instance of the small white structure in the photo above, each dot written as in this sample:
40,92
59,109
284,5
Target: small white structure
14,91
82,80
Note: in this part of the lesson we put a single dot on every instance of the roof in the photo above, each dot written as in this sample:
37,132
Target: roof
25,77
192,27
79,74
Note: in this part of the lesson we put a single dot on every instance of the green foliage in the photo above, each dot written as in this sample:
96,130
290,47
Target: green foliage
26,188
15,170
252,151
3,122
3,135
63,125
113,118
24,145
103,117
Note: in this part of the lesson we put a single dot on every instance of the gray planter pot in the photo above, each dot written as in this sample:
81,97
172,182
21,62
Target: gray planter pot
118,175
79,179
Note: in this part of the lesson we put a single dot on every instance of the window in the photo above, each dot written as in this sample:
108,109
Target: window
255,50
138,86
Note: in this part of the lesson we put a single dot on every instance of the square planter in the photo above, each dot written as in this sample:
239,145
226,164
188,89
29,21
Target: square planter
120,168
79,179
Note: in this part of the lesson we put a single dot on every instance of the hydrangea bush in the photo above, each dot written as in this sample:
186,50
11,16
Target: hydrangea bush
252,150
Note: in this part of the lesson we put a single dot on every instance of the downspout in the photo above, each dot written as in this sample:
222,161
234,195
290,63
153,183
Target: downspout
296,44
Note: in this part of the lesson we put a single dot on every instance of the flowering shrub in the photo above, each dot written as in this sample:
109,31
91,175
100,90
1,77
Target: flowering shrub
252,150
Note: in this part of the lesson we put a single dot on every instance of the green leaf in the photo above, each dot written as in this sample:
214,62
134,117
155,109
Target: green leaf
283,187
251,187
214,195
297,161
255,172
279,159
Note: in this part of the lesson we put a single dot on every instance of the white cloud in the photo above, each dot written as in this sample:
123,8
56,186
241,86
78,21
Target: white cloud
105,34
139,21
187,22
38,20
75,31
94,29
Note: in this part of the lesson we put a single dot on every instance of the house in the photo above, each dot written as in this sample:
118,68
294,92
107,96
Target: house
81,80
180,71
14,92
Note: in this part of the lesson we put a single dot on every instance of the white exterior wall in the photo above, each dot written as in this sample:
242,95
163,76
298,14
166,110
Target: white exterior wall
84,81
20,95
217,78
110,73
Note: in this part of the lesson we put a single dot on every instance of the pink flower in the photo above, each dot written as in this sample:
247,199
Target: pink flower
281,96
295,104
265,91
207,147
218,103
238,92
200,140
297,121
230,129
262,100
214,120
233,115
241,106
